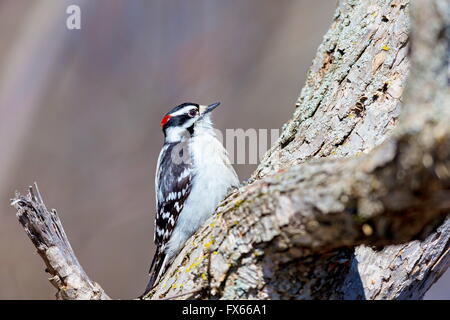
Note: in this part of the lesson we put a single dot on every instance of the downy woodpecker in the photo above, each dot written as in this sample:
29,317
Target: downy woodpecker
193,175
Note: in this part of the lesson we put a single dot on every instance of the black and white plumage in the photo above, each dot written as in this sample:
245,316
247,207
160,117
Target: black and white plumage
193,175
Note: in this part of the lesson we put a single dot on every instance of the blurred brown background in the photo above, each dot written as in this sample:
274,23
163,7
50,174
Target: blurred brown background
80,112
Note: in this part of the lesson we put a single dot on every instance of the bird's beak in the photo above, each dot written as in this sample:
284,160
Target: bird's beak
211,107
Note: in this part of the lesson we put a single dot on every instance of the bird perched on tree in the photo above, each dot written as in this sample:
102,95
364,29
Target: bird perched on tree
193,175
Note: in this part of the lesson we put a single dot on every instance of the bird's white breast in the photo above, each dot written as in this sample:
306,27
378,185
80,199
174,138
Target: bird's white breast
213,177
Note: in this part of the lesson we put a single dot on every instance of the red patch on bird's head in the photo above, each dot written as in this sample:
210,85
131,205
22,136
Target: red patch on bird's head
164,120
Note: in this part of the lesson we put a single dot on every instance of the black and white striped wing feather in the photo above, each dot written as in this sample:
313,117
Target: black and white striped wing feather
173,184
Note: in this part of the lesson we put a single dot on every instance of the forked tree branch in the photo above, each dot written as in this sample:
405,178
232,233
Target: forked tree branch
292,232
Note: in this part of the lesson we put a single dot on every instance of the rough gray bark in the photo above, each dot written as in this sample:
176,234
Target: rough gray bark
292,231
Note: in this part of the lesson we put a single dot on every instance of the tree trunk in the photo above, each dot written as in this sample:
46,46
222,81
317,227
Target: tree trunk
367,222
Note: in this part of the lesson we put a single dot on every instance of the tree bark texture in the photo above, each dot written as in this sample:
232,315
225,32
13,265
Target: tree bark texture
350,203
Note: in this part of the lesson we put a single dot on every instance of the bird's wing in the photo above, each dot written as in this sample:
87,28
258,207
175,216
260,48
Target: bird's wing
173,185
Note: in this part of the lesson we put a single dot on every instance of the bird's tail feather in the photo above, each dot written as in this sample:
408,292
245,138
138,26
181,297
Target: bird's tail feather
155,268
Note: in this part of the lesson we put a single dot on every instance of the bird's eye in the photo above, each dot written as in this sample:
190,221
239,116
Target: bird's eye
192,113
